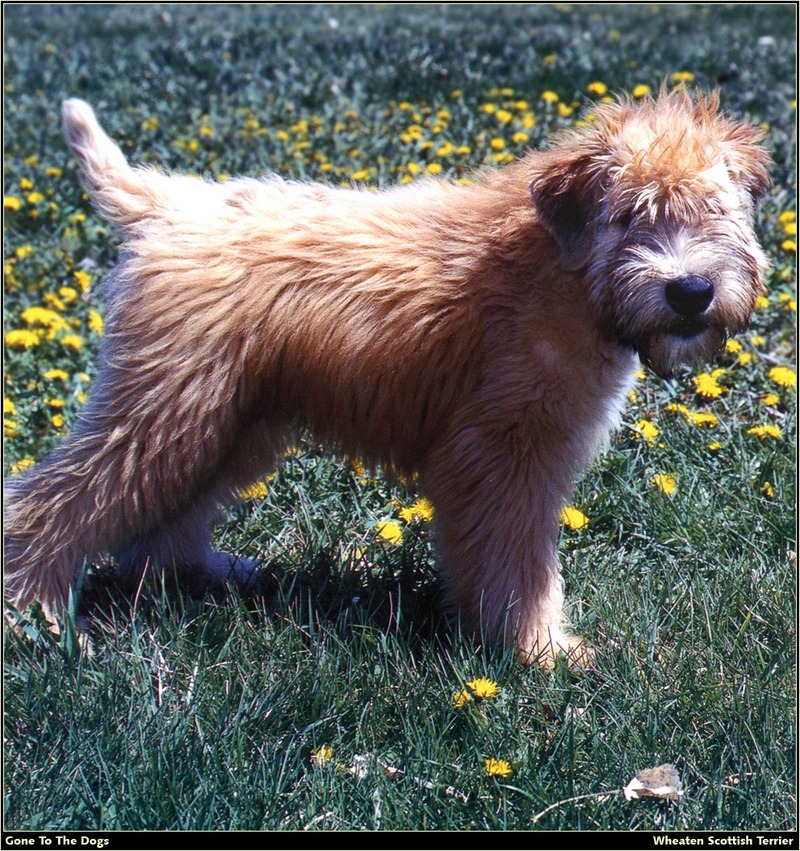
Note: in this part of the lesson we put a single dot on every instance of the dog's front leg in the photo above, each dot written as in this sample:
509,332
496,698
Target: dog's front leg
498,498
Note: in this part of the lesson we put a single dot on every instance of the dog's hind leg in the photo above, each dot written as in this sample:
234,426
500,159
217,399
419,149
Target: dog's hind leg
140,475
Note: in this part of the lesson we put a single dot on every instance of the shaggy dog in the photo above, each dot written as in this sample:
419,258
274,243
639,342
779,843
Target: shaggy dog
481,336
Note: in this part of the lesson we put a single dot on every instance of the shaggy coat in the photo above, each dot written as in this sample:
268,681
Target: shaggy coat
481,336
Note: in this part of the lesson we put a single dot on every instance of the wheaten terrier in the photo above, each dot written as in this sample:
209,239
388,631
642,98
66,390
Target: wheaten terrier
482,336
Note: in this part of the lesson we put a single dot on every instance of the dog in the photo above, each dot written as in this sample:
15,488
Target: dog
480,336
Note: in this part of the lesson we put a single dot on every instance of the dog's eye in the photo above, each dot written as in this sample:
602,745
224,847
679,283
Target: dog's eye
624,221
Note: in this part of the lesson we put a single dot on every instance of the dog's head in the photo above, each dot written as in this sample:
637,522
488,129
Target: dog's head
654,205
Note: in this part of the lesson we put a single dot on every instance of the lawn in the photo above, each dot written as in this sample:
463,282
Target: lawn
345,699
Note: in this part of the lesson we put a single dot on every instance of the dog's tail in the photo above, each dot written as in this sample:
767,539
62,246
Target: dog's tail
121,192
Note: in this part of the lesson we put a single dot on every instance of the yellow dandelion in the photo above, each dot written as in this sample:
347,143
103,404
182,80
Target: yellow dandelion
683,77
784,376
434,168
483,688
73,341
95,322
761,302
787,216
22,339
765,431
504,116
258,490
641,91
9,407
770,399
565,110
11,202
22,464
56,374
389,531
497,144
549,97
498,767
10,428
789,245
707,386
58,420
768,490
573,518
421,511
520,138
462,698
83,279
647,430
597,88
322,755
702,418
665,483
714,447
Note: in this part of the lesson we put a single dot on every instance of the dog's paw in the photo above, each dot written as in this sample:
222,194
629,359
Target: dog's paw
548,646
229,569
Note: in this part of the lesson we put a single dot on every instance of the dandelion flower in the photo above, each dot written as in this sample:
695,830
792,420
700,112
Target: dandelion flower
765,431
22,464
597,88
73,341
498,767
56,374
22,339
768,490
702,418
706,385
771,399
321,755
421,510
258,490
573,518
665,483
389,531
549,97
95,322
647,430
462,698
683,77
641,91
483,688
784,376
83,279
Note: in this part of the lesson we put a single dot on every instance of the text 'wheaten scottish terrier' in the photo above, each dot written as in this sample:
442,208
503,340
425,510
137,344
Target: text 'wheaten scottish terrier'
482,336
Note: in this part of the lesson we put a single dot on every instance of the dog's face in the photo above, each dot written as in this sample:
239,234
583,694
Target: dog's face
655,206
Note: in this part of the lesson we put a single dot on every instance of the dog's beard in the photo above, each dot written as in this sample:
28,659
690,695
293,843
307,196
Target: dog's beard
664,351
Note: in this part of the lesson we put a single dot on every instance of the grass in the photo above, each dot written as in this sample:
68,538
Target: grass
331,703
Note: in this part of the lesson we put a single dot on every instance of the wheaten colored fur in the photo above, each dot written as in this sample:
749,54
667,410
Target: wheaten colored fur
482,336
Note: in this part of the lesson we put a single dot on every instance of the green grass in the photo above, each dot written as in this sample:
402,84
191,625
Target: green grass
205,714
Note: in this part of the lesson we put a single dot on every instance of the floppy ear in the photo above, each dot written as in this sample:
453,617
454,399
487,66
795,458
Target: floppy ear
566,199
747,160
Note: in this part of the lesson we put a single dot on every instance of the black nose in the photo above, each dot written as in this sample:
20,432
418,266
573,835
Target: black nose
689,296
